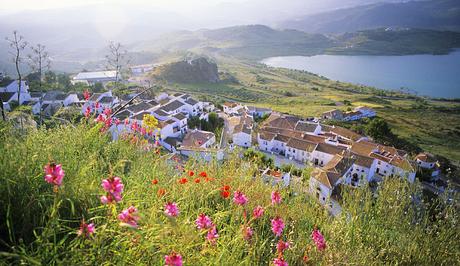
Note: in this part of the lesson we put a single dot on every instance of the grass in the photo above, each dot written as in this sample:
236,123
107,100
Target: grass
39,226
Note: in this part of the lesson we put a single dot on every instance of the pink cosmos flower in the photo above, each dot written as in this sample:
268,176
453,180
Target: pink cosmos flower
247,233
203,221
276,197
86,230
114,187
212,235
171,209
129,217
239,198
319,240
282,246
277,226
54,174
173,259
280,262
258,212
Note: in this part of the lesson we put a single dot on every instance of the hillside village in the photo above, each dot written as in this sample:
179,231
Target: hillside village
339,156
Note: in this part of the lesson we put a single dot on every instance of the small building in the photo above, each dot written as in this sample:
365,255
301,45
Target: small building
334,114
91,78
276,177
242,136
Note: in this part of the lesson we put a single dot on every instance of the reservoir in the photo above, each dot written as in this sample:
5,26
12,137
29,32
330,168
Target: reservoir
430,75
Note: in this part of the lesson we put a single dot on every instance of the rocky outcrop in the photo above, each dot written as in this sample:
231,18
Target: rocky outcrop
197,70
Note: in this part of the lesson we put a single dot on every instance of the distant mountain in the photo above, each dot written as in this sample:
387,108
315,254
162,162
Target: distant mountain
433,14
250,41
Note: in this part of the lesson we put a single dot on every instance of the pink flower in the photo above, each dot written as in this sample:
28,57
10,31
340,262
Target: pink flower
134,126
114,187
54,174
86,230
239,198
280,262
247,233
87,112
143,131
203,221
171,209
212,235
258,212
276,197
282,246
129,217
126,121
319,240
173,259
97,105
86,95
277,226
100,118
107,111
117,121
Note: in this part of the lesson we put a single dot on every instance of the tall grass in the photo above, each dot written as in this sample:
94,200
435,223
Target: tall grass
38,226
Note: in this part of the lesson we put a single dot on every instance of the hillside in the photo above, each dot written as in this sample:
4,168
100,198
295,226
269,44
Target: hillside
396,42
188,71
433,14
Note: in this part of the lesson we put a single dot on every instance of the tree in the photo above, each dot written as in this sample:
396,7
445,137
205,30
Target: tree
17,44
116,60
379,130
39,61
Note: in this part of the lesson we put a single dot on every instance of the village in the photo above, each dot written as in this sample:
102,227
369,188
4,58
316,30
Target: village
339,156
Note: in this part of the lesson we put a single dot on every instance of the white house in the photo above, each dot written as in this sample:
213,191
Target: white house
265,140
322,183
308,127
91,78
13,86
425,160
232,108
323,153
199,144
242,136
72,98
299,150
174,107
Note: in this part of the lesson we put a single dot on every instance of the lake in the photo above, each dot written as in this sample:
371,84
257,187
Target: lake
431,75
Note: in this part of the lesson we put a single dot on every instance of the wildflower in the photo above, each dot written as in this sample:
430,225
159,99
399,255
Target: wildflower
225,194
100,118
277,226
197,180
258,212
203,174
212,235
282,246
161,192
107,111
225,188
149,122
134,126
129,217
171,209
276,197
117,121
154,181
319,240
114,187
86,230
126,121
54,174
86,95
239,198
203,221
87,112
143,131
183,180
305,258
280,262
247,233
173,259
191,173
208,179
97,105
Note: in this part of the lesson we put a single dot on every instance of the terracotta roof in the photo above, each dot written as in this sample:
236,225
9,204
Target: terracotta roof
339,164
282,138
266,135
281,121
306,126
426,157
301,144
231,105
196,138
242,128
346,133
329,149
174,105
328,179
363,161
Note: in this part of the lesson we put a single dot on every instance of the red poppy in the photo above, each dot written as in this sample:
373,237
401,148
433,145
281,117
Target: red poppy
154,181
225,194
209,179
305,258
161,192
197,180
191,173
203,174
225,188
183,180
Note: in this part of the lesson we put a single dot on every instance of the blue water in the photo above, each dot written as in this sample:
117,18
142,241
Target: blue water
430,75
